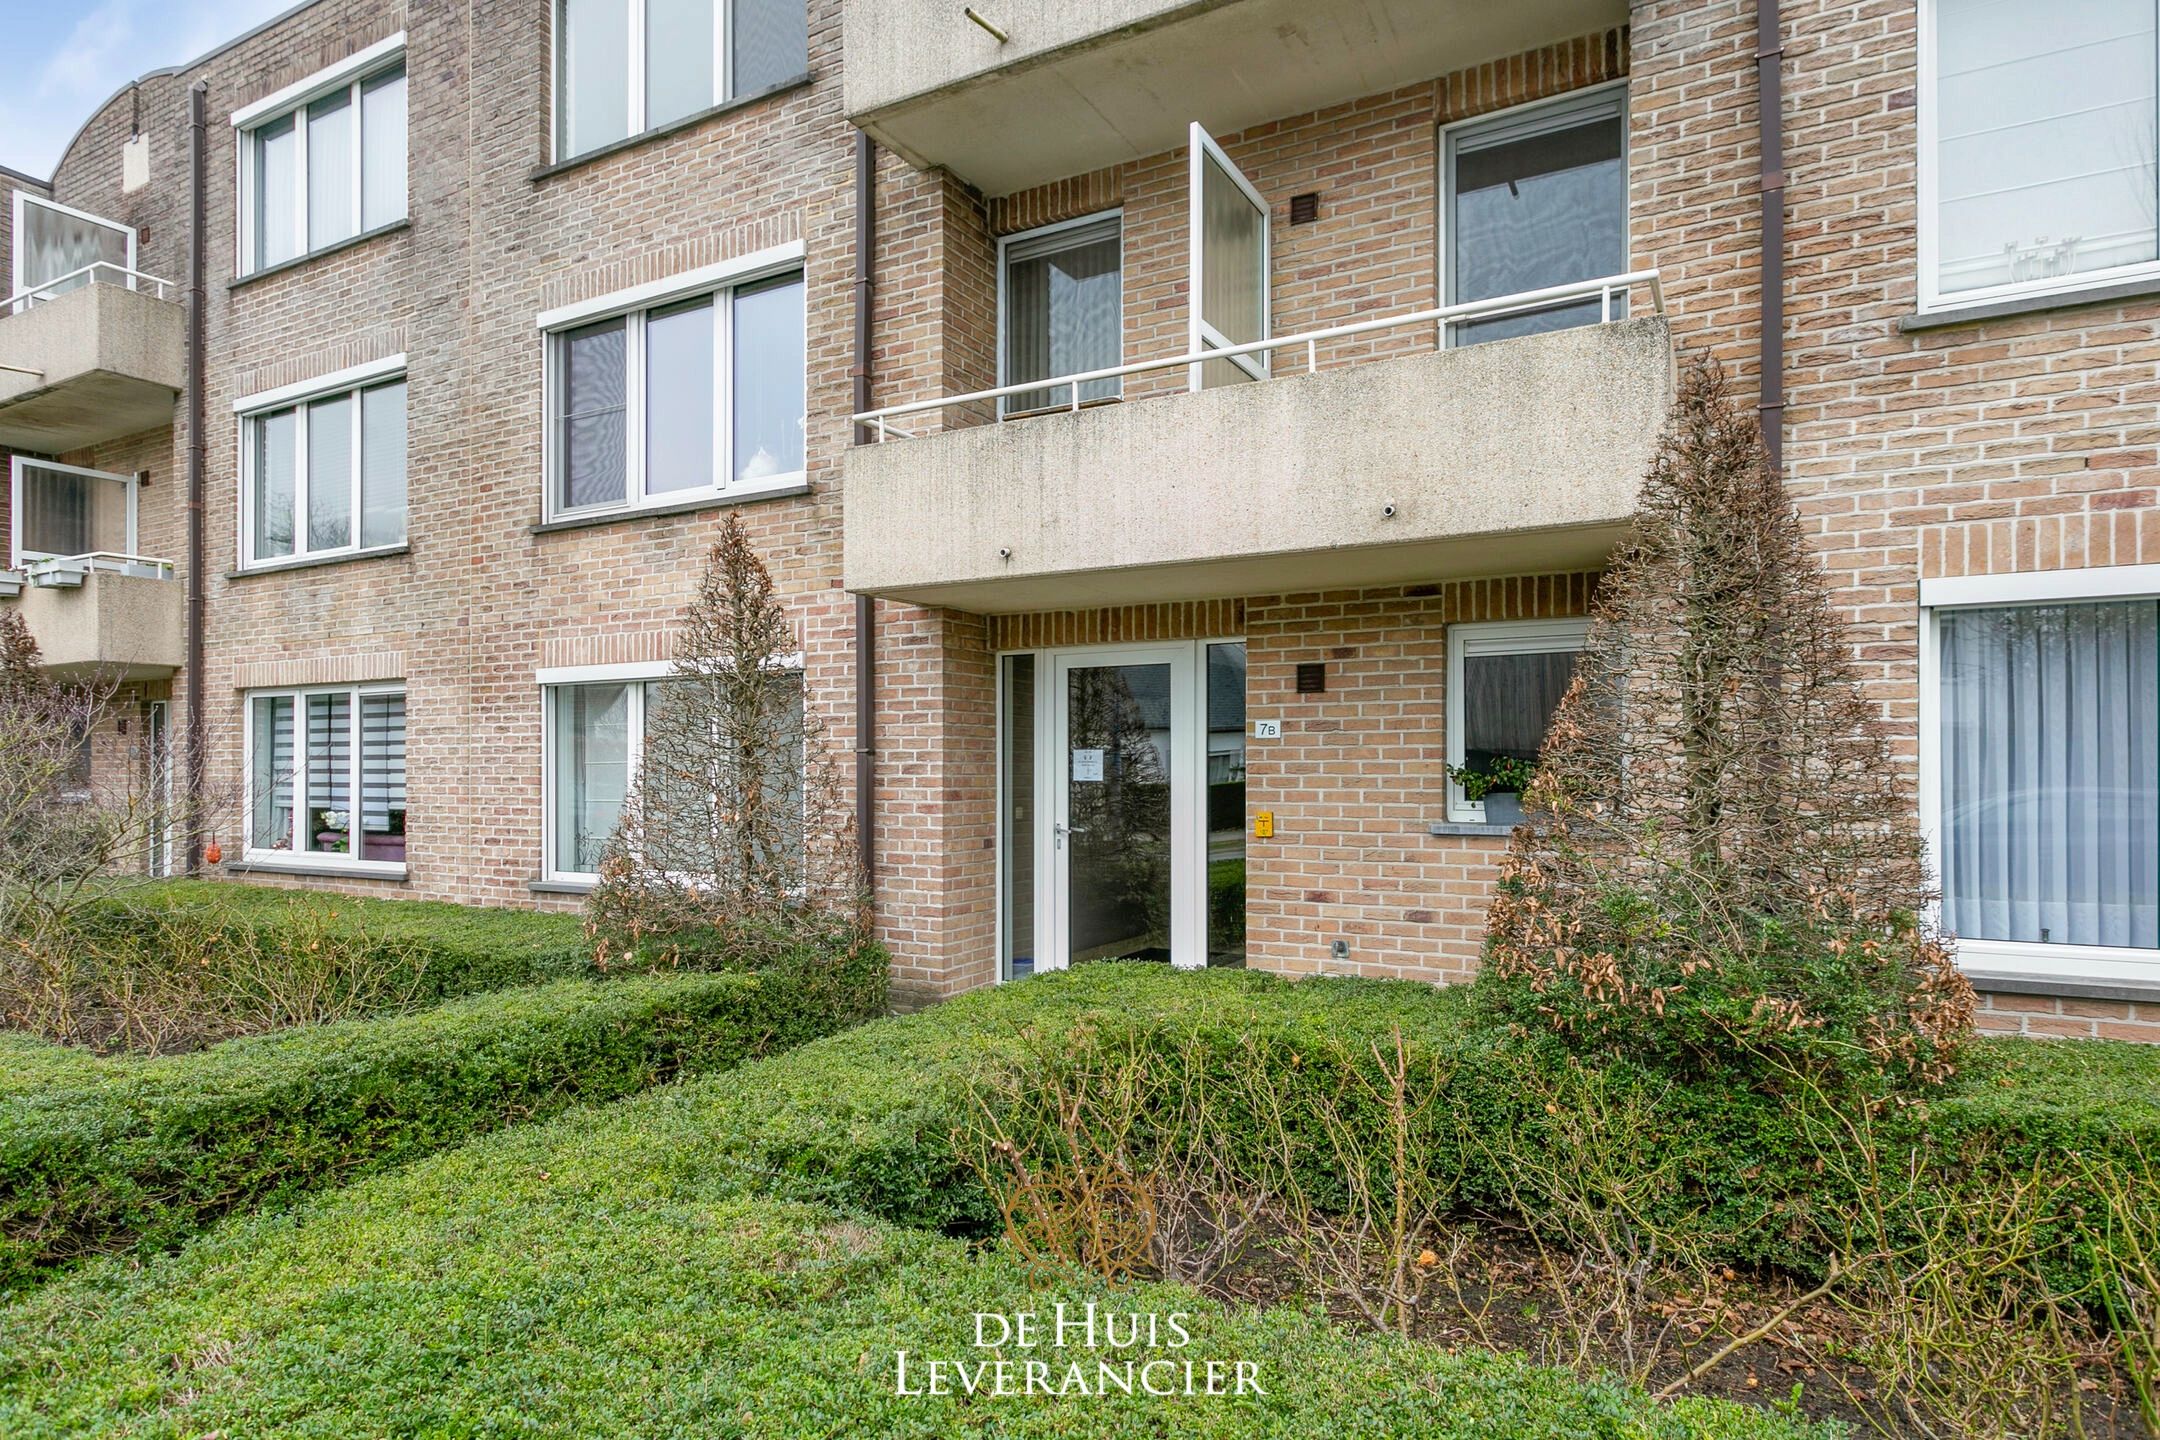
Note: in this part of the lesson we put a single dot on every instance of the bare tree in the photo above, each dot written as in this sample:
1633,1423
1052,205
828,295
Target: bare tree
1720,859
736,821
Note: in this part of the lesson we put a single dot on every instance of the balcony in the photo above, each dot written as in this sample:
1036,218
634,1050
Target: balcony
115,617
1507,457
95,355
1035,90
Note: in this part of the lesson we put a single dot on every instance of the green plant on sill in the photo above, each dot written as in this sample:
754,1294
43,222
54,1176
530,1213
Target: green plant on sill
1503,774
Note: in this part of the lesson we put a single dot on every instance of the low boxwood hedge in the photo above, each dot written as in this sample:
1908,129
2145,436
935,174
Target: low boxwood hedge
616,1272
460,949
867,1118
105,1153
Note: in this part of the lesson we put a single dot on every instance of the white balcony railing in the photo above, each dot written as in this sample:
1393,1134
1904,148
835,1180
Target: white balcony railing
1605,291
97,272
66,572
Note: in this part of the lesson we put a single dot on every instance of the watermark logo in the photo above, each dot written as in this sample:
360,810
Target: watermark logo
1077,1350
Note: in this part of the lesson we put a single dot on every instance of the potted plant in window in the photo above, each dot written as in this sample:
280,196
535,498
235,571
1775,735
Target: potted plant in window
1497,784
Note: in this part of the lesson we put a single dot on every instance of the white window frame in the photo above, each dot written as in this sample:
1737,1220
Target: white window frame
23,200
310,859
1004,309
249,409
1982,960
1199,334
1932,298
1493,637
634,100
1188,799
1533,117
349,74
638,675
632,305
18,464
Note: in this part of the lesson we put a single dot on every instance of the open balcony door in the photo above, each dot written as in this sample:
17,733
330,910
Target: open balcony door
1228,223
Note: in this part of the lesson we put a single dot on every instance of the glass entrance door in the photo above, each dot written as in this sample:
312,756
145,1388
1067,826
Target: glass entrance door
1115,830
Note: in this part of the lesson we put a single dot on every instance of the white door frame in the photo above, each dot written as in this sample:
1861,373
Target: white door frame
1188,794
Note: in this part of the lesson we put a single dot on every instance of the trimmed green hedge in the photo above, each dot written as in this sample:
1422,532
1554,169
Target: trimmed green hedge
865,1119
462,949
105,1153
616,1272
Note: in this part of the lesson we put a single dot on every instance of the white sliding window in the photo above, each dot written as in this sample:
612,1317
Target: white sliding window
324,159
698,395
623,67
61,511
324,476
326,776
2038,122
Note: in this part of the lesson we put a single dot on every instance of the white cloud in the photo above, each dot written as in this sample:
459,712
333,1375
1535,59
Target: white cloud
59,76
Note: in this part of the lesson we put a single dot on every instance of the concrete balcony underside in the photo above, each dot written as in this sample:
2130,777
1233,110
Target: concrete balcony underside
115,627
1519,456
88,366
1079,84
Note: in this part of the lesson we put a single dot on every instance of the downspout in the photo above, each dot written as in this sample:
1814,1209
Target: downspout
197,261
1769,59
865,606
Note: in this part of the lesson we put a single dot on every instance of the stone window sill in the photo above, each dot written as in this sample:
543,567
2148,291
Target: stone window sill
2141,289
316,562
673,127
325,253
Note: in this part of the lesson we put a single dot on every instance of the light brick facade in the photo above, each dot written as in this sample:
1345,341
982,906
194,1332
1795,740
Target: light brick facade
1995,447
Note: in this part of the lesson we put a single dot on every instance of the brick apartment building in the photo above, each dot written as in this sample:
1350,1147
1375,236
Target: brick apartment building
423,349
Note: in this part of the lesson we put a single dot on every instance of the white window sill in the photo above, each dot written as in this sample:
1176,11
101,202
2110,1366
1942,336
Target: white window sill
1955,312
283,862
563,884
2055,969
777,488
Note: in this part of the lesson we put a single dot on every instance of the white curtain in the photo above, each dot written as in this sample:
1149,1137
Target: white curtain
2051,773
2044,120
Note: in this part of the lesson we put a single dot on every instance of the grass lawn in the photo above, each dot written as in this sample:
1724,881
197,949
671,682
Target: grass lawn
628,1269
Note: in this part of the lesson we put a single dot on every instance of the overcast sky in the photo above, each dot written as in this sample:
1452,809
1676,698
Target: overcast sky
66,57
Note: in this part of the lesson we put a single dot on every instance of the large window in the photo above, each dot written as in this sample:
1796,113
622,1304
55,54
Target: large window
595,745
2038,126
1531,198
1504,681
697,397
2046,779
623,67
1060,309
324,475
323,160
326,776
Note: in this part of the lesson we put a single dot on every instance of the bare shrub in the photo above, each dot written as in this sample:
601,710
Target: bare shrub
1380,1246
164,981
735,830
1948,1284
1590,1177
1103,1153
1720,867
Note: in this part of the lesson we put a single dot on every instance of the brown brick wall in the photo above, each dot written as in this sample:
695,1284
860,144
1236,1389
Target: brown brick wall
2009,445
